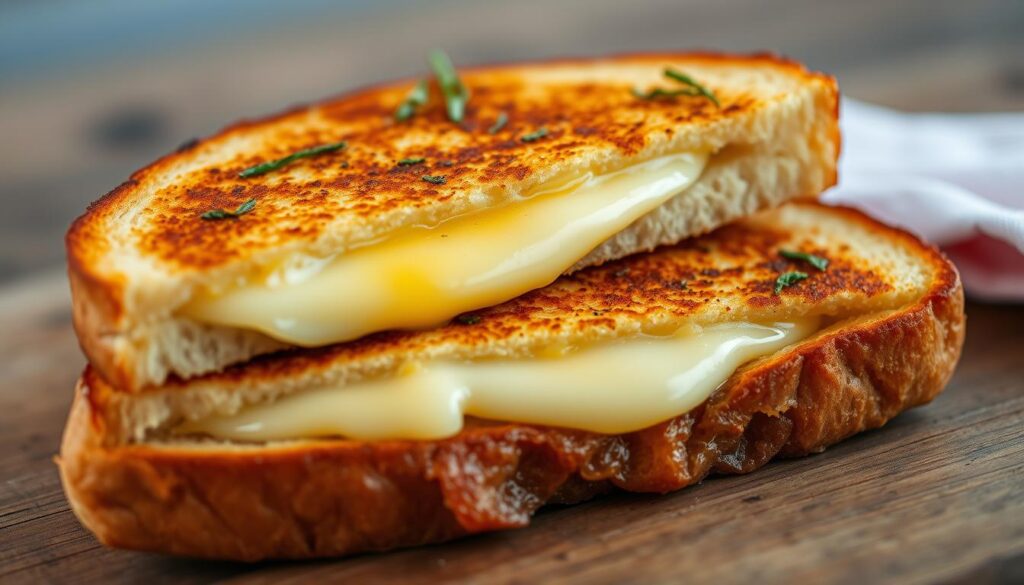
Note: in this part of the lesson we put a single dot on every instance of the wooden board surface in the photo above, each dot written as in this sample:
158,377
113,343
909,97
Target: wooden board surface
936,495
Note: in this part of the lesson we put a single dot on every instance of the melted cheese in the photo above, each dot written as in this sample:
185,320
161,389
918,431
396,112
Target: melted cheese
615,387
426,276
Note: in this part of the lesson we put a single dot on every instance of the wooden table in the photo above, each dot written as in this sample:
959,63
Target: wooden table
937,495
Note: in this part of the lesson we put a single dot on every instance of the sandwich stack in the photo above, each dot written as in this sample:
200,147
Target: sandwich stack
426,309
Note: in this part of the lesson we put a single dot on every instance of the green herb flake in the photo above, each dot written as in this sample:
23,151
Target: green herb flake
417,97
815,261
693,88
499,123
276,164
435,179
659,93
215,214
788,279
468,319
535,135
686,79
455,94
411,161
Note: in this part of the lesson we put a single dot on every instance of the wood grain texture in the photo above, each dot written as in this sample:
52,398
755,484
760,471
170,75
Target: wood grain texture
936,495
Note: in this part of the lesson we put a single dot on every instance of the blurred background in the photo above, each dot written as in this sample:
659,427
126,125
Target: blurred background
90,91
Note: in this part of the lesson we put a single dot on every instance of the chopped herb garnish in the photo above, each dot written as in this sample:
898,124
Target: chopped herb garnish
411,161
693,88
276,164
684,284
535,135
416,98
815,261
455,94
468,319
224,214
658,92
499,123
435,179
788,279
686,79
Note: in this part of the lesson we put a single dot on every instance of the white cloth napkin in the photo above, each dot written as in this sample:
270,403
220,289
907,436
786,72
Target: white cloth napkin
955,179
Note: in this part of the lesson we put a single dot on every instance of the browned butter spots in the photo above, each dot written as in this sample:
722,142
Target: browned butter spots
361,185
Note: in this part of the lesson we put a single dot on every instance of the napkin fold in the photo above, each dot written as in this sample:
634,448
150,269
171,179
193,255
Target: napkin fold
956,180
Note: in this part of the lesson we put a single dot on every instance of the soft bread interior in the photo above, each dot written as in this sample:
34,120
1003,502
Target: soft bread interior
774,138
728,275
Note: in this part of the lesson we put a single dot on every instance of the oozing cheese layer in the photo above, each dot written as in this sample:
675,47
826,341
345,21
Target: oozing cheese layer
615,387
426,276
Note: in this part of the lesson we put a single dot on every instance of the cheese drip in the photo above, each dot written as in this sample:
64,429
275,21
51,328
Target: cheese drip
425,276
616,387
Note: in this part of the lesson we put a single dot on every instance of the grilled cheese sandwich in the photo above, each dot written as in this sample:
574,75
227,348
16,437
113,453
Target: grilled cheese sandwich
399,317
190,267
648,373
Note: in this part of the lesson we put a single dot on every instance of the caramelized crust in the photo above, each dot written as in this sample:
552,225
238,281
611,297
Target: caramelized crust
333,497
584,104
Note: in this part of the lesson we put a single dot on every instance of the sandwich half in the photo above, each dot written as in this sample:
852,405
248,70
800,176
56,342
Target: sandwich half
375,211
777,335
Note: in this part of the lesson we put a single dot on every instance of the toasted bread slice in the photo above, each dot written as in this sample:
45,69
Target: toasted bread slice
895,337
728,275
140,253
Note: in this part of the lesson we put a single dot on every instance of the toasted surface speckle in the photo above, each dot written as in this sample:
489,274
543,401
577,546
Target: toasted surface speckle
585,105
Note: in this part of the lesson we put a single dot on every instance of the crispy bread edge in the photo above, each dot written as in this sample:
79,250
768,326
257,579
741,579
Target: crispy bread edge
98,298
329,498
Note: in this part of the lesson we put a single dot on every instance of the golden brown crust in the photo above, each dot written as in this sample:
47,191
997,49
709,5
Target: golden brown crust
91,310
366,181
324,498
